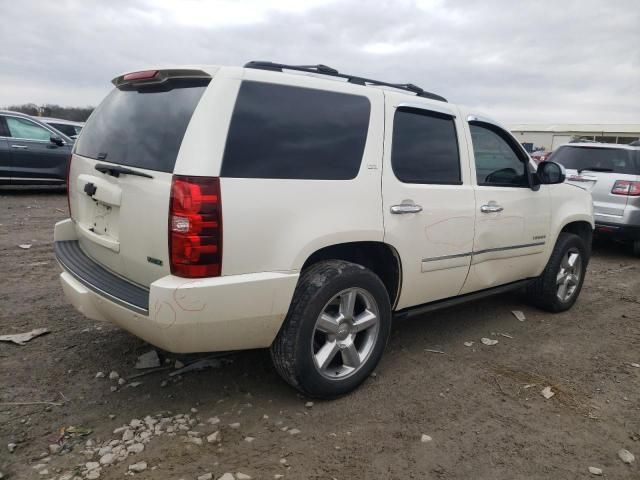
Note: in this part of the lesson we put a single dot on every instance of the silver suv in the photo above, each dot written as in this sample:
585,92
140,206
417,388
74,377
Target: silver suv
612,173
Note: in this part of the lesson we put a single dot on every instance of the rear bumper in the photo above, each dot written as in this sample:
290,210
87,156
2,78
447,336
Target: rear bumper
177,314
618,231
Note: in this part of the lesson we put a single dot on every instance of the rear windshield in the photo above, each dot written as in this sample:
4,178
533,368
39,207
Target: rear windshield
141,128
614,160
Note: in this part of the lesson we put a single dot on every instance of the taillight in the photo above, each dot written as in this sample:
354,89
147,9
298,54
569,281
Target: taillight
68,188
195,227
626,187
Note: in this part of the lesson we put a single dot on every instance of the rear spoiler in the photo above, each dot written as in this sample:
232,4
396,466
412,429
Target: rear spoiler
158,77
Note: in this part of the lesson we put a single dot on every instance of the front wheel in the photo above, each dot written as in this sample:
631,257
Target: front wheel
557,289
335,331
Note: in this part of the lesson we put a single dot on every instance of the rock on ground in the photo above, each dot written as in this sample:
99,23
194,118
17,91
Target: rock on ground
148,360
547,393
138,467
595,471
626,456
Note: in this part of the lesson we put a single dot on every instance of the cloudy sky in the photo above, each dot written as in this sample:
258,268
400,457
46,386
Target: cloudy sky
530,61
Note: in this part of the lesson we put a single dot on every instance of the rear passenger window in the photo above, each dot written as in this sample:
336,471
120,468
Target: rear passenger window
280,131
425,147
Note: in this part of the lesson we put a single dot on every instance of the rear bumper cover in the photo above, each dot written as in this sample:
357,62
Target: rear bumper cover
180,315
617,230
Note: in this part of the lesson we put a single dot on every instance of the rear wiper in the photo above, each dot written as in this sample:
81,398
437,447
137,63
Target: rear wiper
116,171
595,169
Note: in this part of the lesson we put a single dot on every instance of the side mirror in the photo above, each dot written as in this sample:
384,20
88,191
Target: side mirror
56,140
550,173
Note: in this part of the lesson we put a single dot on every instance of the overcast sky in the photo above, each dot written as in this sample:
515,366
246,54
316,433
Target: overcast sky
535,61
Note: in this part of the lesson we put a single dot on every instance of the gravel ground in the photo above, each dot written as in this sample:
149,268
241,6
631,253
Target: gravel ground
481,405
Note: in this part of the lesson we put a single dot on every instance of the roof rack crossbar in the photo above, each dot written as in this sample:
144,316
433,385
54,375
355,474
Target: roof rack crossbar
325,70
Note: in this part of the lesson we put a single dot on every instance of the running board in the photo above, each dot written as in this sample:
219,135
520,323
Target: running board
453,301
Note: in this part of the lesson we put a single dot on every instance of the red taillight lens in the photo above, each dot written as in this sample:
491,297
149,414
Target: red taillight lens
626,187
68,187
195,227
144,75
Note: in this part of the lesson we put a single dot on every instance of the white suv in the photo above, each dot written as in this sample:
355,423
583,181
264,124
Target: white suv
297,208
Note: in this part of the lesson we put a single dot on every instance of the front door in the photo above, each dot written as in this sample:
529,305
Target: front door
33,155
428,198
512,219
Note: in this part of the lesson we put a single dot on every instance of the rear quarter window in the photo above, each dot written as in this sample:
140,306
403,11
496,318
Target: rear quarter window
287,132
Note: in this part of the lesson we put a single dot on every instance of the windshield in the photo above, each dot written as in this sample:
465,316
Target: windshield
141,128
615,160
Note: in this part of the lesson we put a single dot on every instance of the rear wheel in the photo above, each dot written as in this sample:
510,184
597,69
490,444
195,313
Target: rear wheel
557,289
335,331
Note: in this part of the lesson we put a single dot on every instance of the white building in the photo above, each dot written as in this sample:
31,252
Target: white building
549,136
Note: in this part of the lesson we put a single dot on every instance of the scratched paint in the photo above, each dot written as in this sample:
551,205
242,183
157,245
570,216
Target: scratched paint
439,233
184,297
164,314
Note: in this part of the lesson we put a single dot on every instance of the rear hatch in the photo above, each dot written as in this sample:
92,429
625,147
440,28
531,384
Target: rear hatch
121,171
598,168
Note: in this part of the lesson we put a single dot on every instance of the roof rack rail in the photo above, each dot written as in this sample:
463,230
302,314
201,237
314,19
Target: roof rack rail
325,70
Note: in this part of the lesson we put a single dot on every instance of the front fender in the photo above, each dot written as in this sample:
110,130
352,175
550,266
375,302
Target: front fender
569,204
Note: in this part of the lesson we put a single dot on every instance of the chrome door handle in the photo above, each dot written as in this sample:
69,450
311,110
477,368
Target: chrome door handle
405,208
22,147
491,208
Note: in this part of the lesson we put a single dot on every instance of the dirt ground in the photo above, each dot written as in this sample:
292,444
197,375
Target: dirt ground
482,405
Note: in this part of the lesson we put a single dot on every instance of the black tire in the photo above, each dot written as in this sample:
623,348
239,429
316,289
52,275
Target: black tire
292,352
636,248
543,291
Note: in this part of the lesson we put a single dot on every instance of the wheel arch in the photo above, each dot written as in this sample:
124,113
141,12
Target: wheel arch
582,229
379,257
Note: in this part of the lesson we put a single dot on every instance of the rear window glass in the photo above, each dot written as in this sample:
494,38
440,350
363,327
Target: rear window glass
141,128
280,131
614,160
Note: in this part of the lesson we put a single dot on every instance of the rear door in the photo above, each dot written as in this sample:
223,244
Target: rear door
33,156
598,168
122,218
428,199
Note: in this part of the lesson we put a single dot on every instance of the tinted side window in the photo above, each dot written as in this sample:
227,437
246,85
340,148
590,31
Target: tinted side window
279,131
425,147
497,163
22,128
